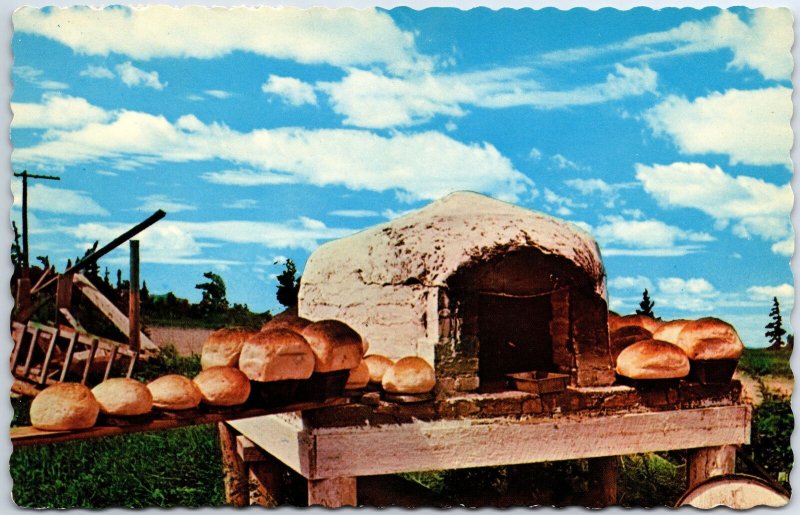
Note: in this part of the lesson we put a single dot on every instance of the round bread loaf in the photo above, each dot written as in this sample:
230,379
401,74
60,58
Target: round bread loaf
358,378
709,339
364,345
653,359
121,396
64,406
669,331
626,336
287,320
336,345
223,346
409,375
223,386
643,321
377,365
277,355
174,392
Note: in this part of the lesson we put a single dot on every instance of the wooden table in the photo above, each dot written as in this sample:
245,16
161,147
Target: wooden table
331,458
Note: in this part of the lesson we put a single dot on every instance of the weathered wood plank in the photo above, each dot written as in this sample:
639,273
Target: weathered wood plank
111,311
282,438
71,320
234,470
707,462
333,492
26,435
478,443
249,452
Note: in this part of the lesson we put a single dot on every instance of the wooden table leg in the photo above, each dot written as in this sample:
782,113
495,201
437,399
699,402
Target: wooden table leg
235,475
706,462
602,482
332,493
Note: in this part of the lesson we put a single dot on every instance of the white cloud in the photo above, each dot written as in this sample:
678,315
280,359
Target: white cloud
563,205
341,37
784,292
563,163
133,76
33,76
292,91
97,72
646,238
535,154
245,203
56,112
354,213
755,206
218,93
358,160
609,193
694,294
153,203
57,200
637,283
762,42
376,100
749,126
784,247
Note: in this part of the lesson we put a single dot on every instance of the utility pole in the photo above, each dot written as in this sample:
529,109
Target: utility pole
24,282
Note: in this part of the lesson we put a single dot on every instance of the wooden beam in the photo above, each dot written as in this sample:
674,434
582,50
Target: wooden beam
284,439
134,329
249,452
707,462
602,482
334,492
71,320
447,444
110,310
234,470
266,482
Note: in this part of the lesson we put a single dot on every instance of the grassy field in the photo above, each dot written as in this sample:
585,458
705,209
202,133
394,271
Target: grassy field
182,467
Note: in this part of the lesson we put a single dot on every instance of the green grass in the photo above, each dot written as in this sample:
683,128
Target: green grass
179,467
761,362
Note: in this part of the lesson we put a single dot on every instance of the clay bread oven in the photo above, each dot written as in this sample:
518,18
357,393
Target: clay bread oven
477,287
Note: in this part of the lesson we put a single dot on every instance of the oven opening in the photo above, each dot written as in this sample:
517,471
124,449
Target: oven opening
514,335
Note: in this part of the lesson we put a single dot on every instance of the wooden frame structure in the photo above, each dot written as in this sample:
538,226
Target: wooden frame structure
331,458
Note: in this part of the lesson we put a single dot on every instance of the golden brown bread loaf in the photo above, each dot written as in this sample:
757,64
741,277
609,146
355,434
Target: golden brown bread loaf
626,336
64,406
174,392
377,365
336,345
287,320
358,377
669,331
277,355
223,346
410,375
653,359
121,396
710,339
643,321
223,386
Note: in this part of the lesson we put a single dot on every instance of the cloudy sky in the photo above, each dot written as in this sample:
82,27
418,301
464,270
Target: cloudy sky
264,133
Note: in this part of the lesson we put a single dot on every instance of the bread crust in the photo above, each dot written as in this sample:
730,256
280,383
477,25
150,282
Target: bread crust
287,320
223,386
358,377
644,321
174,392
377,365
276,355
669,331
223,346
64,406
626,336
709,339
412,375
653,359
336,345
121,396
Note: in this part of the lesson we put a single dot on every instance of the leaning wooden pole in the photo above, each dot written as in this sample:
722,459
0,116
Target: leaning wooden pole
133,299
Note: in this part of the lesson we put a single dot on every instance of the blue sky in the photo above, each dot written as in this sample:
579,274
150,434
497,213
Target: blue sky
264,133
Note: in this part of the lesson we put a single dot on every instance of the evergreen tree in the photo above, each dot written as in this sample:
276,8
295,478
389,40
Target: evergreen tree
646,305
775,330
288,285
16,249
